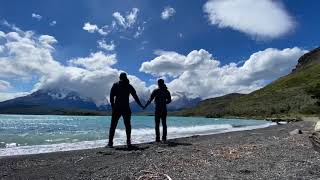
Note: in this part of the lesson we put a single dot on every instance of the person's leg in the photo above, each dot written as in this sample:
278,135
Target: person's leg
127,122
113,126
164,126
157,124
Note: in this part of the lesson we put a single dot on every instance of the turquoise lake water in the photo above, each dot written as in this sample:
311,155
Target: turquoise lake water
32,134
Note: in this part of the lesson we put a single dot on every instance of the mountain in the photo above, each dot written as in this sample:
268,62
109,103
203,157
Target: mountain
64,102
54,101
288,96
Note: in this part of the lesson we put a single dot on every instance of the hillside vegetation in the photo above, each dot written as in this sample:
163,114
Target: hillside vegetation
286,97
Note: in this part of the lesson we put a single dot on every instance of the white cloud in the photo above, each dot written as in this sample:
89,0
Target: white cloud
92,28
4,85
260,19
108,47
167,13
124,24
96,61
47,41
27,55
128,20
139,32
7,95
132,16
199,75
104,30
36,16
53,23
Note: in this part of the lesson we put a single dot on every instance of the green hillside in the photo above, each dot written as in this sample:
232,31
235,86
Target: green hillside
287,96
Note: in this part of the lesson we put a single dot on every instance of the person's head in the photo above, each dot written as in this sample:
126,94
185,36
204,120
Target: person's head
161,83
123,77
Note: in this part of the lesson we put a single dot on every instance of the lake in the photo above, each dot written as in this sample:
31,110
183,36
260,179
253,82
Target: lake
33,134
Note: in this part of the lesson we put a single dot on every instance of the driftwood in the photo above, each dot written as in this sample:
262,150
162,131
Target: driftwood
315,140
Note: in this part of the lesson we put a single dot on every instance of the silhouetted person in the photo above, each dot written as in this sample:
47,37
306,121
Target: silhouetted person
161,97
119,99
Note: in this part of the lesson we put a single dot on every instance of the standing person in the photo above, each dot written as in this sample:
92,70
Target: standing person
119,99
162,98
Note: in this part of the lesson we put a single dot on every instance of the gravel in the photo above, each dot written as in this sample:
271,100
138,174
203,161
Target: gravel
269,153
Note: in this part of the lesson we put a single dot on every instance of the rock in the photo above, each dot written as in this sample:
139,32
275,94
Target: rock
306,58
317,127
296,131
315,140
245,171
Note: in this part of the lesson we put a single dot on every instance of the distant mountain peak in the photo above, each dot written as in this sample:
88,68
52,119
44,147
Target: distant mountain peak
60,94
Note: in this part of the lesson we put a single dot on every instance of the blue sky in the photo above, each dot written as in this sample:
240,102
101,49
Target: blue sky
188,28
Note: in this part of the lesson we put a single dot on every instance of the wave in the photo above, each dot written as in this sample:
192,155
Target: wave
142,135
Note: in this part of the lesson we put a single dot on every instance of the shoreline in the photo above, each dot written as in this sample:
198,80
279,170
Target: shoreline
96,144
268,153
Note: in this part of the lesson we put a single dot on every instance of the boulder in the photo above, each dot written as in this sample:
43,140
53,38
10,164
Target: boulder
296,131
317,127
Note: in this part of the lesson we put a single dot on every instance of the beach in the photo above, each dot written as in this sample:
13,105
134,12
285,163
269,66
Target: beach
268,153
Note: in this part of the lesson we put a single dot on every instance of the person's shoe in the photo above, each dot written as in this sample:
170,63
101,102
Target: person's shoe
157,139
164,139
110,145
129,145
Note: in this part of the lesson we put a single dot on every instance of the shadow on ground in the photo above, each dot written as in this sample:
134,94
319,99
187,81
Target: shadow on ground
131,148
175,144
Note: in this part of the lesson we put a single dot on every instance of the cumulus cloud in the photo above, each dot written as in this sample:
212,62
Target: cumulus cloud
108,47
128,20
36,16
167,13
96,61
174,64
198,74
25,55
260,19
92,28
28,55
47,41
195,75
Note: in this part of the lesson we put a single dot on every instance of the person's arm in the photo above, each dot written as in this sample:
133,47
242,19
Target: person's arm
135,96
112,95
168,97
150,99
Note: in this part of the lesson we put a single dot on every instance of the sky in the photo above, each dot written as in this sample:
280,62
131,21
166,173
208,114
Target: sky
203,48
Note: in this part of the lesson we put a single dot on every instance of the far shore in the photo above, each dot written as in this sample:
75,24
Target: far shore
269,153
279,118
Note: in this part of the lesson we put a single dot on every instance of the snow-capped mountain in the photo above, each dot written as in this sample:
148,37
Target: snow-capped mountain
52,101
62,101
